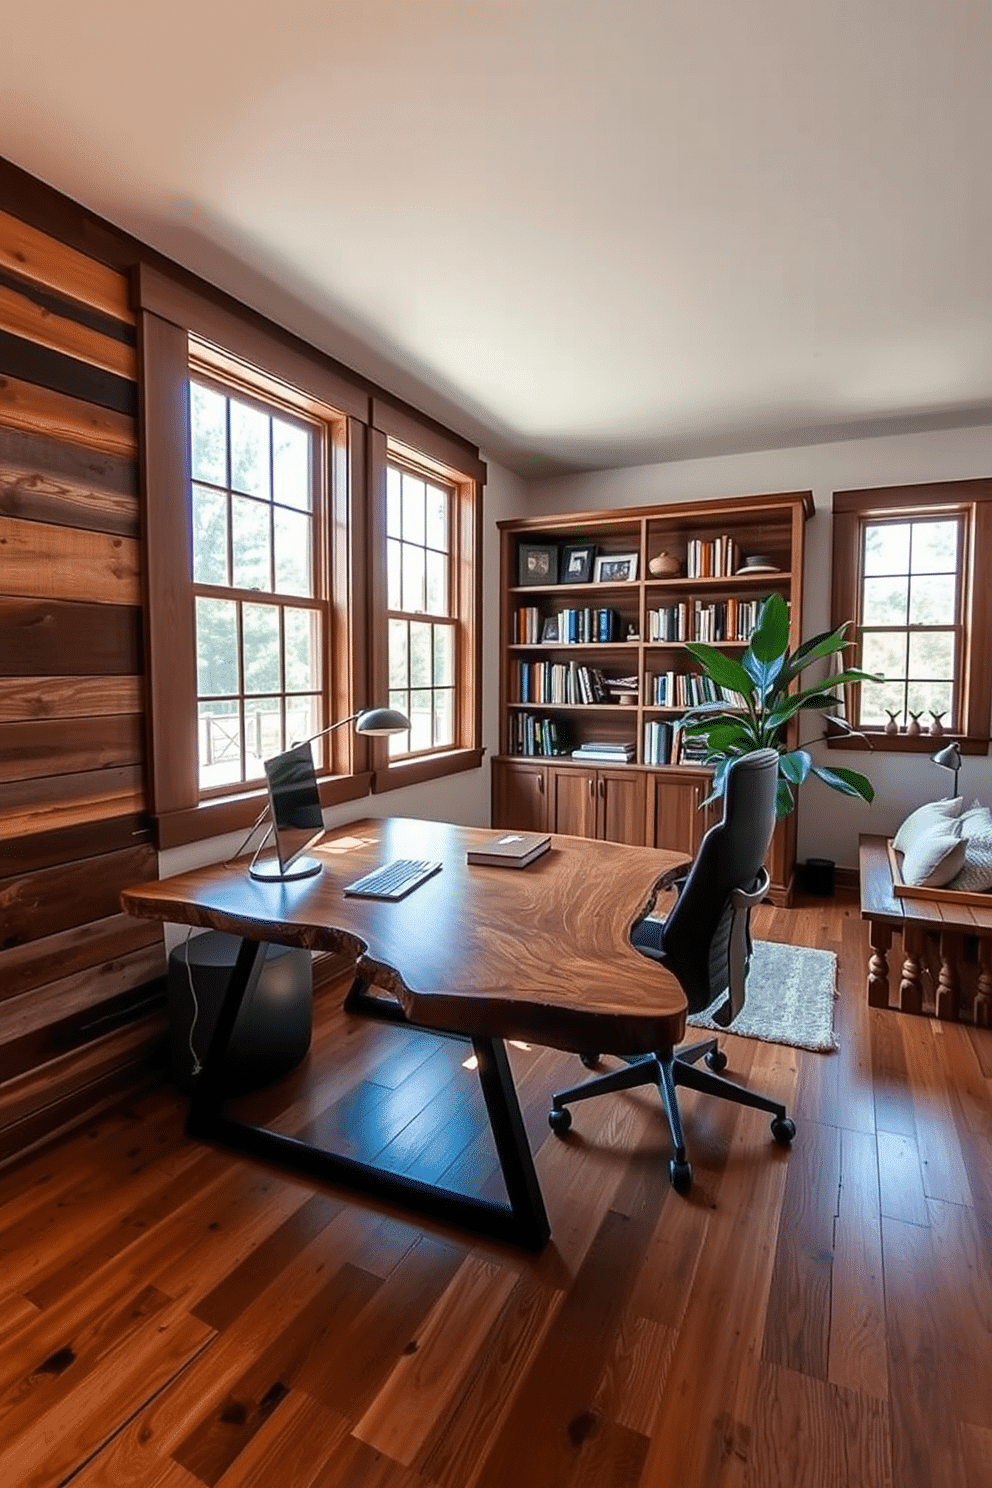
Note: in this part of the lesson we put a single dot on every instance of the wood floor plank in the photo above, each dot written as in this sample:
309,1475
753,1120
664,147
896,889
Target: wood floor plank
797,1326
425,1379
458,1443
811,1434
857,1354
900,1179
944,1173
292,1447
976,1448
962,1252
926,1444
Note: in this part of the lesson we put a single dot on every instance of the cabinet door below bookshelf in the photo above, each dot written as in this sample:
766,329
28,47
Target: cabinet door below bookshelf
520,795
679,819
606,804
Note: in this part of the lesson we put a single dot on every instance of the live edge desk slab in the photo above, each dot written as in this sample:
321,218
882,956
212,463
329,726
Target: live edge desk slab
540,954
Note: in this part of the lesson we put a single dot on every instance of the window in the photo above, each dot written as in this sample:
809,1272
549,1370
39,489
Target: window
421,626
907,565
269,607
257,589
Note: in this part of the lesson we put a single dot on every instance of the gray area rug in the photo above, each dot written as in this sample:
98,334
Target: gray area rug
790,998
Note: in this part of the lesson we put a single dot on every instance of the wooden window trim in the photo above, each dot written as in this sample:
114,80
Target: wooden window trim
466,580
973,499
169,316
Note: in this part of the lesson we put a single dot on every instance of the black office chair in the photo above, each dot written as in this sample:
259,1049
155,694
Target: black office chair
705,942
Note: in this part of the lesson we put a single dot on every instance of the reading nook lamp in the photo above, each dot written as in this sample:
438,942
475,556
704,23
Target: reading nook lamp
949,758
375,721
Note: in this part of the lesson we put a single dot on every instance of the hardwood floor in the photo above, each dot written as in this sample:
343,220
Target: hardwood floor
171,1316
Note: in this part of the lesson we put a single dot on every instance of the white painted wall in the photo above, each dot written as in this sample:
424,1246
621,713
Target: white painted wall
829,824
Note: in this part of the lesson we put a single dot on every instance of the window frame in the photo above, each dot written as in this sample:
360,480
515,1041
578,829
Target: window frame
971,500
237,343
436,453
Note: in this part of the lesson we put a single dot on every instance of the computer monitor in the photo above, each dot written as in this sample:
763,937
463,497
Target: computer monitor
296,818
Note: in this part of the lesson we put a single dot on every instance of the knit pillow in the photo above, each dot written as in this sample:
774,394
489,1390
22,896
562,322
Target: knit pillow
934,813
976,821
976,875
933,859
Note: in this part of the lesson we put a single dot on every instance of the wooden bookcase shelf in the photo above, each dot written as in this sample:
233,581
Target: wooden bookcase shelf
547,681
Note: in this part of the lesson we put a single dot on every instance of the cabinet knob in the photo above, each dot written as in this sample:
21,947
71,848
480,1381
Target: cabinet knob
540,785
602,789
592,788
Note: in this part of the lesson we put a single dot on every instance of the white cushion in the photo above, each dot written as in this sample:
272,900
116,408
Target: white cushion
934,859
976,875
976,821
934,813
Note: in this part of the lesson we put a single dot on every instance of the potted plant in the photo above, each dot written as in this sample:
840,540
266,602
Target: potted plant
761,681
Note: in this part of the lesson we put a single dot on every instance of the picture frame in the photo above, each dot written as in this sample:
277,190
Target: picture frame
616,568
576,563
538,563
549,628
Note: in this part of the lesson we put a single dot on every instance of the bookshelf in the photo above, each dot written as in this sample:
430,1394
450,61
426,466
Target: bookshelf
600,665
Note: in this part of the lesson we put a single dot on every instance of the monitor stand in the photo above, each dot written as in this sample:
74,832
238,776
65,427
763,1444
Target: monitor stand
272,871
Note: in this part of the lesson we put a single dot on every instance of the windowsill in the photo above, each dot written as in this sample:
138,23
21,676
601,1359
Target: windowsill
222,814
876,741
434,767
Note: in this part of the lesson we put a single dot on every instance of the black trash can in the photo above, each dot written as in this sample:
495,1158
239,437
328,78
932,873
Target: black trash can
274,1024
816,877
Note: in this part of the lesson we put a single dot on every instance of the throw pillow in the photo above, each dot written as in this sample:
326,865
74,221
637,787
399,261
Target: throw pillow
934,813
976,821
934,859
976,875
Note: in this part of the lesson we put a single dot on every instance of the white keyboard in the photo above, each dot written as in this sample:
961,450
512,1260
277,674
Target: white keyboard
392,880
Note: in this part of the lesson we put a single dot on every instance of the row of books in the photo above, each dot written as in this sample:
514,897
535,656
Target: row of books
714,559
725,620
565,682
661,743
536,736
566,627
686,690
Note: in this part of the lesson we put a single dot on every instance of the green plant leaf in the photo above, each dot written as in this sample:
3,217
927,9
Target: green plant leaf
721,736
722,669
770,638
816,648
763,673
784,799
795,766
848,782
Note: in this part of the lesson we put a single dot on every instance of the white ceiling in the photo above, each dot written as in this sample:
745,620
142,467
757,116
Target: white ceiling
586,233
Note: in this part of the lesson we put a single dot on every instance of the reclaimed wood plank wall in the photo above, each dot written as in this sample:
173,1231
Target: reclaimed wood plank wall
81,985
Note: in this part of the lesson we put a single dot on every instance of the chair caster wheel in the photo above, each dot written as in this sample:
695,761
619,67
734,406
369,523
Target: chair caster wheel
591,1061
559,1120
680,1175
783,1130
716,1060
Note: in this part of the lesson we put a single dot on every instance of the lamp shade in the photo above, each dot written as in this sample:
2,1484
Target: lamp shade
949,758
381,721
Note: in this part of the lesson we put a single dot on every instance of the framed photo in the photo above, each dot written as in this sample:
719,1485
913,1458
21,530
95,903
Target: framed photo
549,629
576,564
538,563
616,568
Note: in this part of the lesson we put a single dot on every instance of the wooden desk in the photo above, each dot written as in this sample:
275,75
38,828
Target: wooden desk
539,954
887,912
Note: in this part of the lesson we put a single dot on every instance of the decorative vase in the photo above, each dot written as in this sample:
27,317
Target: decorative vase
892,726
936,728
913,726
664,566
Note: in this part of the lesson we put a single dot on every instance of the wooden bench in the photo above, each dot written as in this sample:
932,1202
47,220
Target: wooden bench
949,918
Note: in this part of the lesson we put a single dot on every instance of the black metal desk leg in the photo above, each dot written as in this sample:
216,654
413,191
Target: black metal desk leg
512,1146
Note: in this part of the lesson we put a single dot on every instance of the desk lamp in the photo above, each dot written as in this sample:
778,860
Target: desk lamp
293,804
949,758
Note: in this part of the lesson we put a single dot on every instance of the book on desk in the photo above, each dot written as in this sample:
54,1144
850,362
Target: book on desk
511,850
